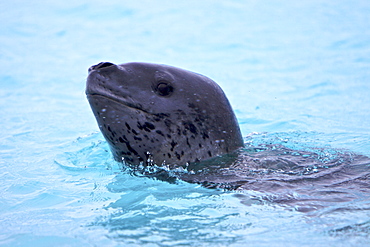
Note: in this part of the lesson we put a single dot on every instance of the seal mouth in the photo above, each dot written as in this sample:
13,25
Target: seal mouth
100,84
97,86
117,100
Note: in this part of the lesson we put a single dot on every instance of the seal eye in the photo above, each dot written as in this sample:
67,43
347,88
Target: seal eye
163,88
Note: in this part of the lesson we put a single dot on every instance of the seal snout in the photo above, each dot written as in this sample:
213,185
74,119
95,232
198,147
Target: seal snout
100,66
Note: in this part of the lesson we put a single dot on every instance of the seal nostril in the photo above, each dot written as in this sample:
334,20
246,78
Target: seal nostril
100,66
103,65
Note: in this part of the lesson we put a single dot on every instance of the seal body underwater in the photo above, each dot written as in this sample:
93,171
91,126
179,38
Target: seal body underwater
151,113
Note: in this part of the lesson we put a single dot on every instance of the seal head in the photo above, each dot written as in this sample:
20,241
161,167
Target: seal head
159,114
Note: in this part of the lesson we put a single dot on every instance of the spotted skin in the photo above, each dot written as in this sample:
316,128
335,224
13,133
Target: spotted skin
161,114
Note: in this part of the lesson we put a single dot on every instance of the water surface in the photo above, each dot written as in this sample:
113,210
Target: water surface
296,74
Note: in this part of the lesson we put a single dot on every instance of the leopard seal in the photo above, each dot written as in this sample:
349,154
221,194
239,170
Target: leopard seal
159,114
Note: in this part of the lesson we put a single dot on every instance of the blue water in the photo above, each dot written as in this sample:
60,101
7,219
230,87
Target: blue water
296,73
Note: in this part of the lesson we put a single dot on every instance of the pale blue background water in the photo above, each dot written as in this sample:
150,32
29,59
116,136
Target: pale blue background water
299,70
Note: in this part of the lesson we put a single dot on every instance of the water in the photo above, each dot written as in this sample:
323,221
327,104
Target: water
295,72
